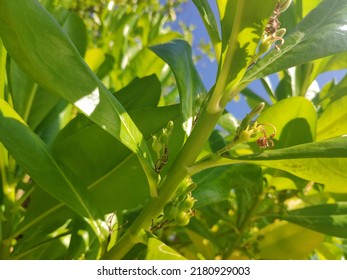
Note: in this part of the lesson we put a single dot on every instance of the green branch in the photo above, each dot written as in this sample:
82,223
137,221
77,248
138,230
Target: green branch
179,170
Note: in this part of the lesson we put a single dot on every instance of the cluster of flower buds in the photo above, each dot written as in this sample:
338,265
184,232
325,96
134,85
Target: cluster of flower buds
179,208
272,32
160,146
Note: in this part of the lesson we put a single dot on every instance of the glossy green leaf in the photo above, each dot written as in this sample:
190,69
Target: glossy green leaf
33,156
284,88
86,148
31,102
77,32
329,219
214,185
140,93
294,119
51,60
145,62
95,160
158,250
322,162
252,98
321,33
333,121
283,180
178,55
216,141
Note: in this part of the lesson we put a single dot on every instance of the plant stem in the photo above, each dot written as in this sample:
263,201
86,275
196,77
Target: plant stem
186,158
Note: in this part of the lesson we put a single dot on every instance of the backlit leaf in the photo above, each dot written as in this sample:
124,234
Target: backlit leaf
158,250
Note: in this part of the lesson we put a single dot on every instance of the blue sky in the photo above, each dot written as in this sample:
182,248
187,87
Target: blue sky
207,69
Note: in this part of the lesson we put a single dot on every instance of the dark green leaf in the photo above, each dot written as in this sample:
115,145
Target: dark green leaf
140,93
209,20
247,181
33,156
333,121
252,98
216,141
95,160
322,162
214,185
178,55
77,32
330,219
284,88
51,60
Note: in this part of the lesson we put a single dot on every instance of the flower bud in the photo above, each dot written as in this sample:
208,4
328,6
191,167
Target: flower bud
156,145
244,136
283,5
182,218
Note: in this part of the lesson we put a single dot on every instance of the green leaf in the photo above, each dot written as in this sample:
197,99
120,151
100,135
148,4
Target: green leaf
33,156
51,60
214,185
321,33
330,63
158,250
140,93
252,98
339,90
94,160
294,119
323,162
75,28
35,244
216,141
178,55
31,102
329,219
228,122
285,241
144,62
333,121
246,29
209,20
284,88
248,184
